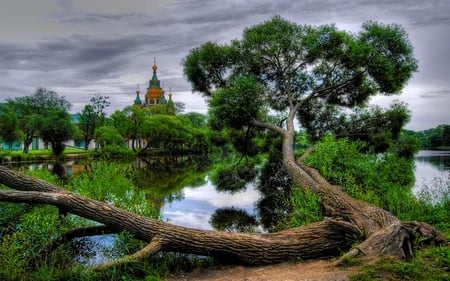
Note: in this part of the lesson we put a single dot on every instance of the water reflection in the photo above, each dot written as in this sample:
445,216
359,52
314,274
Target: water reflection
201,202
432,168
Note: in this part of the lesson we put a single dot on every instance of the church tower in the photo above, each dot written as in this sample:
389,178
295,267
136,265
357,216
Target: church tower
155,94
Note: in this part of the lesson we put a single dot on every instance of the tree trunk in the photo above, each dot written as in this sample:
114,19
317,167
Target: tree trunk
351,219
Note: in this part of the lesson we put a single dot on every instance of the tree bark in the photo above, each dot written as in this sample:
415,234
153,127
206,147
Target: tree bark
351,219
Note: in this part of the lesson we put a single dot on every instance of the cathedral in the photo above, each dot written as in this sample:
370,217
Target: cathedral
155,93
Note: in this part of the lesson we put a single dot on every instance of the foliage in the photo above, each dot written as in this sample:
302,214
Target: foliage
23,238
433,138
106,135
433,205
306,208
114,183
56,128
172,133
378,128
374,178
9,126
198,120
92,117
275,185
31,110
128,123
234,178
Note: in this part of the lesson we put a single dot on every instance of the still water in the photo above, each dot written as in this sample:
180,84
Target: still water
199,204
432,172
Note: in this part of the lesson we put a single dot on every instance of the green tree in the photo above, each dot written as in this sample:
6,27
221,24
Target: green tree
446,135
106,135
172,133
9,126
128,123
293,70
198,120
93,116
56,128
379,128
30,109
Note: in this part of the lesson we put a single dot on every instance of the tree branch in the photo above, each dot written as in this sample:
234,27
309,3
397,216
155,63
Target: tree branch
152,248
267,126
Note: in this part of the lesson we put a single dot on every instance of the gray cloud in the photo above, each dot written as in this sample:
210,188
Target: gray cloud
436,94
80,48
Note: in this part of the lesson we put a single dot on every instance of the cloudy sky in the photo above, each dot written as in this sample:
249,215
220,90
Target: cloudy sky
82,47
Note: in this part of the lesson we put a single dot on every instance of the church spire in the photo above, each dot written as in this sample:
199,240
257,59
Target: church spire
137,101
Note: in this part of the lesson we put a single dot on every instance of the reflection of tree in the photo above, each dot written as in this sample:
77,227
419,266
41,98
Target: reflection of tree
233,220
163,178
59,171
275,185
441,162
234,178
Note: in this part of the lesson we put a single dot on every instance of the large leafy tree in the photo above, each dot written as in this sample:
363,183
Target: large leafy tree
314,74
31,109
128,123
56,128
93,116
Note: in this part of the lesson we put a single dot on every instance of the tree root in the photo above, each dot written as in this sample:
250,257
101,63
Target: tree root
396,240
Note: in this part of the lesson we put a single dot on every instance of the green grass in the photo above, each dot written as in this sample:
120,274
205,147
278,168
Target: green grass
432,264
38,154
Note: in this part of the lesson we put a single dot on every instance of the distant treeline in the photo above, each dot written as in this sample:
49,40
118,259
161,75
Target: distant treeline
435,138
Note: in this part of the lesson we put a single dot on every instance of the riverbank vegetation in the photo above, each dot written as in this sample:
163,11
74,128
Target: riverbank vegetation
433,138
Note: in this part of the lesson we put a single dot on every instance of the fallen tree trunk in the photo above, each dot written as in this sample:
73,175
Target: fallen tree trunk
319,240
329,238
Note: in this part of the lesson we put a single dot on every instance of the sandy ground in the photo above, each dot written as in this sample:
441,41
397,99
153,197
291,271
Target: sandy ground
306,271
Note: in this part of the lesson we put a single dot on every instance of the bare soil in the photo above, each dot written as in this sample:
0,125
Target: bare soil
319,270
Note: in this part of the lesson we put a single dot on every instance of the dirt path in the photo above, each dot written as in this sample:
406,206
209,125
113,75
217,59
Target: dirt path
307,271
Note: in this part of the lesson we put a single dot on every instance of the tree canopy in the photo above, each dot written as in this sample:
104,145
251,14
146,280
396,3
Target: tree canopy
56,128
300,70
31,110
